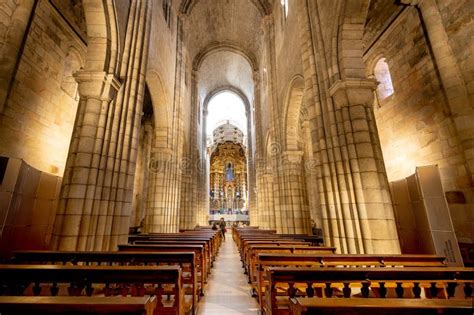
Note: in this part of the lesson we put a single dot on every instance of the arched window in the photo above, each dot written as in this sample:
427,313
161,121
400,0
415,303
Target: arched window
382,75
284,6
226,107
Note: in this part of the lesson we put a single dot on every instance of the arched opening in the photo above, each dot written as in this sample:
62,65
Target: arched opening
223,108
226,134
296,215
140,186
382,75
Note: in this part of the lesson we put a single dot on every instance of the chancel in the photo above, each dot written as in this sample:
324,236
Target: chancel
236,156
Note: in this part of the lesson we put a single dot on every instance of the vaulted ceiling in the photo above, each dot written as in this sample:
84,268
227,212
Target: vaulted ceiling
236,22
223,38
224,69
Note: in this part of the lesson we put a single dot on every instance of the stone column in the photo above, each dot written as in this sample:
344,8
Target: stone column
268,200
13,33
141,176
251,167
293,204
161,216
459,100
260,194
81,204
366,210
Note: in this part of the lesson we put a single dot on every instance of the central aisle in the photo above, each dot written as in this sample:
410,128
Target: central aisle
227,291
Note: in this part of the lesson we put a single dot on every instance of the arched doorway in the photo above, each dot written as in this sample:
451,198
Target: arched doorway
226,141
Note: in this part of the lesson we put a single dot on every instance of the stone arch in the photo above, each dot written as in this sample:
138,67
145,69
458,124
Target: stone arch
224,46
101,35
227,88
349,24
293,102
263,6
160,100
244,99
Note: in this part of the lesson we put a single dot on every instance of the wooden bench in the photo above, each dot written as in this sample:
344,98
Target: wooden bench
162,281
215,235
212,243
186,260
266,260
201,265
284,283
361,306
247,245
239,234
254,250
211,247
207,254
144,305
243,251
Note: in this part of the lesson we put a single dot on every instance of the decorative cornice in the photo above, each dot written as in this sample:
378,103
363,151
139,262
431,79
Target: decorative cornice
97,84
352,84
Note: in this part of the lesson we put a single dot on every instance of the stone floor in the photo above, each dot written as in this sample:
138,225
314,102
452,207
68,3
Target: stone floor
227,291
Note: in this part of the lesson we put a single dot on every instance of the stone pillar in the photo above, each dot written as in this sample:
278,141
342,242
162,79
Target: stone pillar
260,195
13,32
366,215
268,201
460,103
191,191
161,215
293,204
252,204
141,177
82,207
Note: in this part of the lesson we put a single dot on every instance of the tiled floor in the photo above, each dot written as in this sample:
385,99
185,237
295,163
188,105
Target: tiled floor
227,291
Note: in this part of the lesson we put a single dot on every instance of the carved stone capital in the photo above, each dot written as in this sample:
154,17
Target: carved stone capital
353,92
97,85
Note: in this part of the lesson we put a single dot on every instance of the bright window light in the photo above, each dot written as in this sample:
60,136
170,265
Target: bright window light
284,4
223,107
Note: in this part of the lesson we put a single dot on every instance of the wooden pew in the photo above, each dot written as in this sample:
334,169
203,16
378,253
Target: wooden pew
216,234
254,250
186,260
437,280
361,306
177,248
207,254
240,234
211,242
16,280
315,241
247,244
266,260
10,305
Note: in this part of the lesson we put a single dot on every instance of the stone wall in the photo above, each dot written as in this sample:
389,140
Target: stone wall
414,123
38,117
459,25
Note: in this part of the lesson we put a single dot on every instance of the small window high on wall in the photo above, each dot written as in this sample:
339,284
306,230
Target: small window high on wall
284,6
382,75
